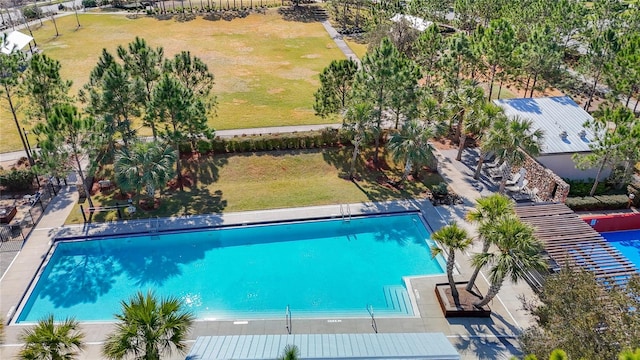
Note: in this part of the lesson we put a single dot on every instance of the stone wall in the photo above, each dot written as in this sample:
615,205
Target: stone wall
550,187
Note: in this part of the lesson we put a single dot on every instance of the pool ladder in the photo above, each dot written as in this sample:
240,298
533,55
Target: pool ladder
373,319
151,228
287,319
345,211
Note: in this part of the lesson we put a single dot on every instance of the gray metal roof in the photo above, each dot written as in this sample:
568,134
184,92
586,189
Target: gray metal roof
325,346
556,116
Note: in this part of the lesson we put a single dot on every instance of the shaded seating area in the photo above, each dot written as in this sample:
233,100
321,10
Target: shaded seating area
569,240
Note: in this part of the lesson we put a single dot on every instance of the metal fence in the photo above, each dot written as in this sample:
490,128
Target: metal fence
32,207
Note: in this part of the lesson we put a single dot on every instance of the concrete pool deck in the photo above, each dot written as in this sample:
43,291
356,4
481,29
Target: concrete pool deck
492,338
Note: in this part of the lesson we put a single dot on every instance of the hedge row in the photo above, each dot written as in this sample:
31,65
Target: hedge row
283,141
600,202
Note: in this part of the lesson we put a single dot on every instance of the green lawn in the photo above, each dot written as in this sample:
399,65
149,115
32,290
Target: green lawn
358,48
266,68
270,181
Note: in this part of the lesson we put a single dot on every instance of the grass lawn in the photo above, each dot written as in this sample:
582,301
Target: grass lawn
359,49
273,180
266,68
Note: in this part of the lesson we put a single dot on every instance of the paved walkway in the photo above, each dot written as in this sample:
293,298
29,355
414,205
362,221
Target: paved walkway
493,338
15,155
342,45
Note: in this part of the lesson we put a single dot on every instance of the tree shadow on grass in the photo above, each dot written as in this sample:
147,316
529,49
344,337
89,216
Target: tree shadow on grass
379,183
192,201
306,14
205,169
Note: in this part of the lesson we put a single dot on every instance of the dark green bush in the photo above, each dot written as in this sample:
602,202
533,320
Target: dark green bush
440,189
204,146
286,141
17,180
580,188
599,202
89,3
185,148
32,12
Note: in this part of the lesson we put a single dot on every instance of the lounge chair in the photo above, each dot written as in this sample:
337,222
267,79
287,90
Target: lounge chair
491,161
497,173
522,183
514,178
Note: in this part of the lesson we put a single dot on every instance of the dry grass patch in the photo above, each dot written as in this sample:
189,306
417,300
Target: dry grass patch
249,57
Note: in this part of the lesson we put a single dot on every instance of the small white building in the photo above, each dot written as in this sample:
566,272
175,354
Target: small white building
415,22
562,121
15,41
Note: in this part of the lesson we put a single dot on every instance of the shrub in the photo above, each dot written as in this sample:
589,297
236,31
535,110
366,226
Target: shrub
440,189
17,180
185,148
599,202
32,12
89,3
204,146
286,141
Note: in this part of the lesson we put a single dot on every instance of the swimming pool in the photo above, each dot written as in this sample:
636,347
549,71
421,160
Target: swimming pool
627,242
320,269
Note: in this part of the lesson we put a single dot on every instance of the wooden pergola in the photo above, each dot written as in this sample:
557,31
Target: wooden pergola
568,240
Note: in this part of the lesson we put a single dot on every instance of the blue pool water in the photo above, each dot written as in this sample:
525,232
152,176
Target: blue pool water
321,268
627,242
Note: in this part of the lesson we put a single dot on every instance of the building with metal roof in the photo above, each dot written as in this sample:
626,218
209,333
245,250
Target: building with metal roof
562,121
325,346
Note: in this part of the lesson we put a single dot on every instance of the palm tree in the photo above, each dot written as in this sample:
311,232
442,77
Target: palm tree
453,238
411,145
290,352
517,251
148,328
489,115
148,165
510,139
50,341
486,213
358,121
464,104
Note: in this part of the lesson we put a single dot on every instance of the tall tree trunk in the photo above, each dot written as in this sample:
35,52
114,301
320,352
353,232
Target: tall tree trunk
463,139
15,119
597,180
526,86
505,175
479,167
407,168
472,280
178,164
500,88
53,18
450,262
493,76
493,291
533,86
87,191
77,19
354,157
592,92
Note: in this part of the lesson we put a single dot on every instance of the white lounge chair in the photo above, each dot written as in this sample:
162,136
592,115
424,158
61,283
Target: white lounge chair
522,183
514,179
497,173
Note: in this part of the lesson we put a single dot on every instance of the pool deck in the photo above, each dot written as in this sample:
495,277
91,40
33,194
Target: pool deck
492,338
